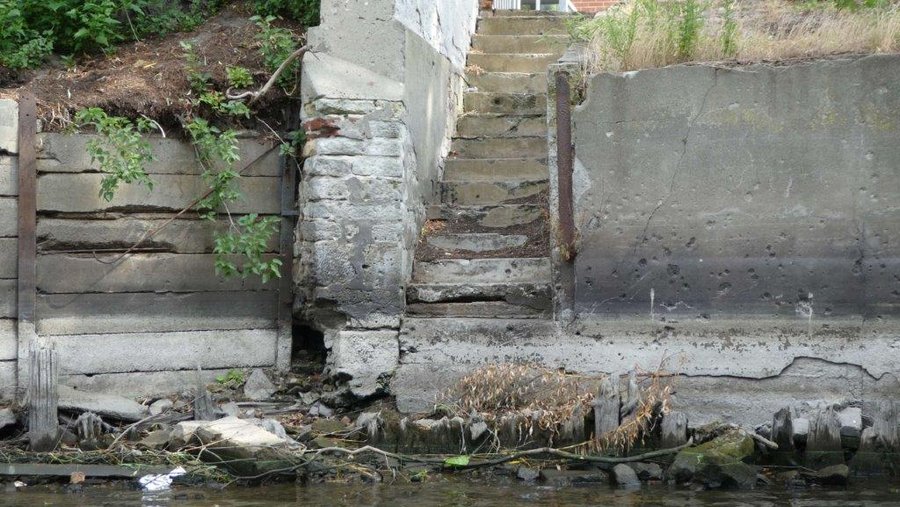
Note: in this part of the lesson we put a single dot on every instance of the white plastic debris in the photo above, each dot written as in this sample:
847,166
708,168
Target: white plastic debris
160,482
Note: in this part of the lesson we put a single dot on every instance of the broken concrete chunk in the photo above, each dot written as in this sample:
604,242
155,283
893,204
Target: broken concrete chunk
851,422
183,433
155,440
7,418
160,406
106,405
321,410
258,386
243,447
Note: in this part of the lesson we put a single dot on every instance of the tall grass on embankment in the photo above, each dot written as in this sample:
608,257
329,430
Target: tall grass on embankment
654,33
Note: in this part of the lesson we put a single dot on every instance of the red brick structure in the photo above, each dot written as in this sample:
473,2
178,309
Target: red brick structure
592,6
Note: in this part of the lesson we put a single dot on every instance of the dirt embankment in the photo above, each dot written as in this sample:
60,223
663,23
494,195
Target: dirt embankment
149,77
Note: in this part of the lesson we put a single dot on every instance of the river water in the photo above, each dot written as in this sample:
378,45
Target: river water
451,492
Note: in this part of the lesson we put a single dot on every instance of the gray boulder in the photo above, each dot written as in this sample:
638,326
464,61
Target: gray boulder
719,463
258,386
625,476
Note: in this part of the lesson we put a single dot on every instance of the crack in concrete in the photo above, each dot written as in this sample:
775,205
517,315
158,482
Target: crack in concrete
678,165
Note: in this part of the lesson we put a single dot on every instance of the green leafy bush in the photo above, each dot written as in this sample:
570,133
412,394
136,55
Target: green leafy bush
276,45
304,11
31,29
121,151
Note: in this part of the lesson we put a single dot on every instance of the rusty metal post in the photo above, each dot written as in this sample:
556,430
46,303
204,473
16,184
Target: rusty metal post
27,240
564,160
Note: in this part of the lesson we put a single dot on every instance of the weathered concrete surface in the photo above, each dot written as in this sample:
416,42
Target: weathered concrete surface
180,236
707,192
146,352
138,272
446,26
8,380
9,176
368,358
9,215
79,192
155,311
68,153
9,126
362,32
135,384
8,340
738,370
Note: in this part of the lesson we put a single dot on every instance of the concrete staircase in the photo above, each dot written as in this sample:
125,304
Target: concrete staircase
484,251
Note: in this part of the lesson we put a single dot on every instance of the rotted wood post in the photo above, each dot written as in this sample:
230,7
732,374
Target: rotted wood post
606,409
674,430
43,398
37,362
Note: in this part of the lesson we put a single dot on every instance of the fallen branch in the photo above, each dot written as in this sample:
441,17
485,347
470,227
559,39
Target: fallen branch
368,449
255,95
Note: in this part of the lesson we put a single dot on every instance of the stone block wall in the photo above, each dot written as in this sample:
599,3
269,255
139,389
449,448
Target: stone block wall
381,89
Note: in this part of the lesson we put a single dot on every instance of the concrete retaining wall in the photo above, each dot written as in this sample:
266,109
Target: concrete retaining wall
143,323
704,192
744,223
9,185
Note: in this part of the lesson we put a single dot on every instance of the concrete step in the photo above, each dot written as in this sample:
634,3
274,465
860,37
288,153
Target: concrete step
478,242
479,309
507,103
495,169
505,300
531,63
510,82
522,25
500,125
499,216
487,44
490,192
481,272
521,12
500,147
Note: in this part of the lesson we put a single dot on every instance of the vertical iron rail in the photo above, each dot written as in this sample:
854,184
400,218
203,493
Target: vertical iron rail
286,253
564,162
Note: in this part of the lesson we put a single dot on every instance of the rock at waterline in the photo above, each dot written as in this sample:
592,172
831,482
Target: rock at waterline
647,471
7,418
527,474
105,405
719,463
625,476
566,478
258,386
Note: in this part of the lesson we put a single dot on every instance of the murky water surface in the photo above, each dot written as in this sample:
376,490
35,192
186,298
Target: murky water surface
453,493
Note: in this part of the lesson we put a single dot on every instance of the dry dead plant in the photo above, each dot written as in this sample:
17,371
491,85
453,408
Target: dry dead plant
548,397
656,391
644,34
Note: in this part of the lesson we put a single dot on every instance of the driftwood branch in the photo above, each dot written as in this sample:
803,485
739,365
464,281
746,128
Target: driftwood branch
255,95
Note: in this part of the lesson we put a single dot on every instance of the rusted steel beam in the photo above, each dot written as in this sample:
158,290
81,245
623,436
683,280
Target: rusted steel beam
564,164
27,222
